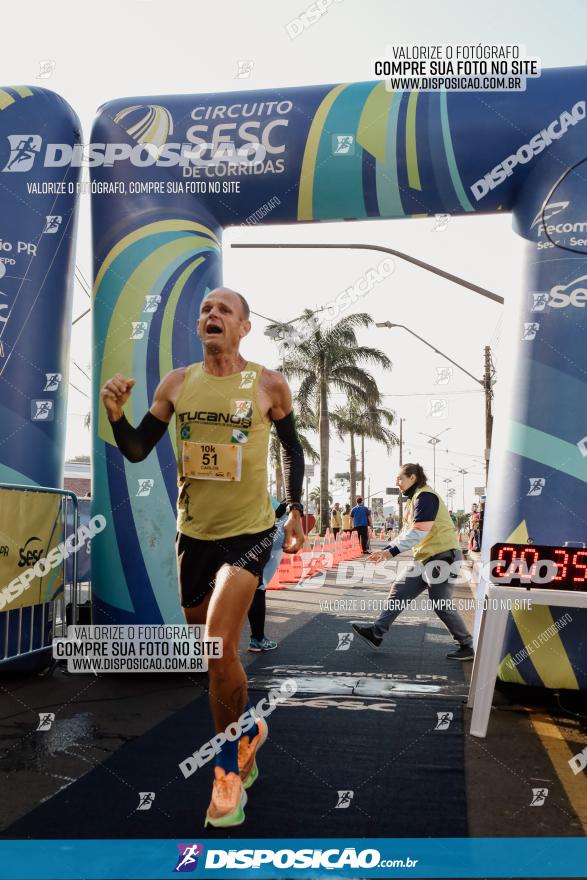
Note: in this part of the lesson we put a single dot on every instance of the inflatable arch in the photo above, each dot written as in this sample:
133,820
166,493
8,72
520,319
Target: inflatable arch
38,207
340,152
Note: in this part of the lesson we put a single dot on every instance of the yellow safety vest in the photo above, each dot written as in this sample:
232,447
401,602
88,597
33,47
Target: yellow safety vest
441,537
229,496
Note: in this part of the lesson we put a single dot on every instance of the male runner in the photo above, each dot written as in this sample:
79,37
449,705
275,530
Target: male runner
224,407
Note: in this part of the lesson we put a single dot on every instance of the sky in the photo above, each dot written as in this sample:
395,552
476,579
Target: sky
141,47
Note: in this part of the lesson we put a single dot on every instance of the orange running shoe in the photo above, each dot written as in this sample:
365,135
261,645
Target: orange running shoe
247,753
228,800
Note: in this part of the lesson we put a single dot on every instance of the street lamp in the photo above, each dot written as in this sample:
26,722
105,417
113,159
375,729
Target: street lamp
482,291
486,382
283,331
434,441
451,495
463,472
447,480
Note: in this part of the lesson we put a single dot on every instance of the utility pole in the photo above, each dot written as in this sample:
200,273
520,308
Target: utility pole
462,471
363,466
486,383
434,440
400,502
487,380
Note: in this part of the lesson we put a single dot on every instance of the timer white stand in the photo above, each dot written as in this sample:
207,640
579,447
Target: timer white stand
491,641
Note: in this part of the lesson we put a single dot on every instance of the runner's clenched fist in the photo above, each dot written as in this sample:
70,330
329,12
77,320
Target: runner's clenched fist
114,395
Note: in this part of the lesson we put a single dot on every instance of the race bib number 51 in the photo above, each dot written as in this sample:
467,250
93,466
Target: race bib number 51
212,461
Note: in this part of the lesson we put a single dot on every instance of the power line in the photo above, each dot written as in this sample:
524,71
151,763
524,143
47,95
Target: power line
79,389
81,371
416,393
79,317
82,282
444,449
497,332
435,393
82,276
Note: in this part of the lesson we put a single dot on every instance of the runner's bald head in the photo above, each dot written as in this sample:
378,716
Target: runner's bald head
243,304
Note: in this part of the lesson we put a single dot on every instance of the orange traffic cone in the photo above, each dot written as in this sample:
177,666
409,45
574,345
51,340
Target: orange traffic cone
293,570
275,582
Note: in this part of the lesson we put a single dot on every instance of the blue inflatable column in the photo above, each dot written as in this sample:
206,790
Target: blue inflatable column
38,204
538,487
153,269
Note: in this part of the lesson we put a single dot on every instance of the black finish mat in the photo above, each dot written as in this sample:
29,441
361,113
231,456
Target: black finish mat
406,777
362,722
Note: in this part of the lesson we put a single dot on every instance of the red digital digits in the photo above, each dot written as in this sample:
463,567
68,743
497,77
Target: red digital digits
521,564
500,559
580,565
535,560
500,570
564,564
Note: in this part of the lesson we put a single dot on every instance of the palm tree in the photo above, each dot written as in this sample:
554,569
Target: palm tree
361,420
344,478
374,424
315,496
345,423
328,358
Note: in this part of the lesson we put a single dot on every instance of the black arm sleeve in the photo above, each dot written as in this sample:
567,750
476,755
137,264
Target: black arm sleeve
292,457
136,443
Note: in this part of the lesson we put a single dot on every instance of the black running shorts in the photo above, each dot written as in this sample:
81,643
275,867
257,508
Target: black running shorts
199,561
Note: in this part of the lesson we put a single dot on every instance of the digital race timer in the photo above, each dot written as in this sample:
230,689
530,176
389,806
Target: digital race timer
535,565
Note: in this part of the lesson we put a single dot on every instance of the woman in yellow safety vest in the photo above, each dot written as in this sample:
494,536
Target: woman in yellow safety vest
429,532
335,519
347,520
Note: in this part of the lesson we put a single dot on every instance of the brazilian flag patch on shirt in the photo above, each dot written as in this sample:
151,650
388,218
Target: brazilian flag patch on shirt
239,436
185,432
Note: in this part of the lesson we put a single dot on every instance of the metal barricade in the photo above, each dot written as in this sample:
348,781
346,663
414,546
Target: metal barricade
26,632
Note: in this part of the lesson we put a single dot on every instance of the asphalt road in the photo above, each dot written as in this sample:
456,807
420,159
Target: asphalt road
349,690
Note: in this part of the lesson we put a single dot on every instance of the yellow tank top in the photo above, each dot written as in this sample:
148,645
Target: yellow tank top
223,410
441,537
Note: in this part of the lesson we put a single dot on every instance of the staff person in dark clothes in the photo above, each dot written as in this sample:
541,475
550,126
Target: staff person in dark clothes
362,522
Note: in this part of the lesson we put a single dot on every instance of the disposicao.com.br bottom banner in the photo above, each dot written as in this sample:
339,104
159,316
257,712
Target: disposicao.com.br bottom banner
258,858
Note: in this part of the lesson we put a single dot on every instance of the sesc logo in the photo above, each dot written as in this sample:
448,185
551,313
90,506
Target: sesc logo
574,293
146,123
30,553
